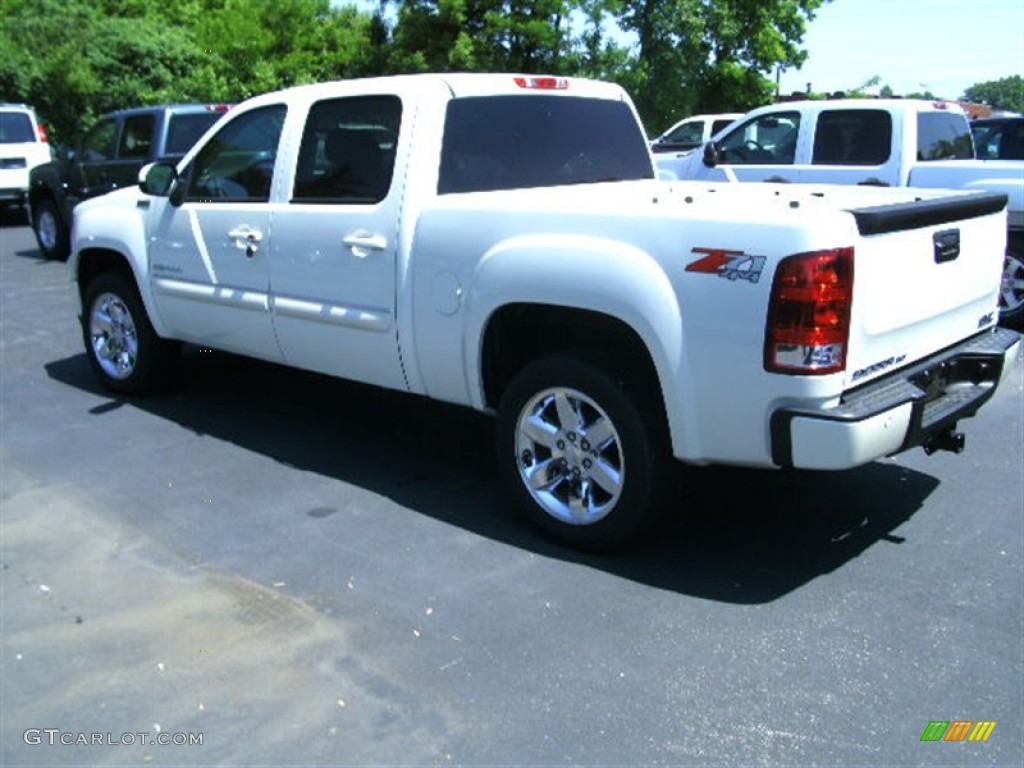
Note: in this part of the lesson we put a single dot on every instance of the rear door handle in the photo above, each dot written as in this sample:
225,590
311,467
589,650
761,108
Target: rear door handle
247,239
363,241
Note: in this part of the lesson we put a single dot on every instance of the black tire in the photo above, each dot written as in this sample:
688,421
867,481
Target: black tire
1011,295
51,231
608,514
122,347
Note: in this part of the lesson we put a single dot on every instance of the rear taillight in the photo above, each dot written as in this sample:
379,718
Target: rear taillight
809,313
41,130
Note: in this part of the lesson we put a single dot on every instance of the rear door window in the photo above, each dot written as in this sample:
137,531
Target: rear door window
347,153
943,136
852,137
99,144
136,136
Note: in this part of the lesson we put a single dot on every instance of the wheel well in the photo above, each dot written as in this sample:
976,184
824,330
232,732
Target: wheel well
520,333
95,261
39,193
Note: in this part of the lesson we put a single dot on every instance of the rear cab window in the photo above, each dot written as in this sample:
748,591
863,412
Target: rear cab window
186,128
518,142
16,128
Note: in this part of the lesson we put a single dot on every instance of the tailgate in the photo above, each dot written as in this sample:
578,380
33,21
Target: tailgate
926,276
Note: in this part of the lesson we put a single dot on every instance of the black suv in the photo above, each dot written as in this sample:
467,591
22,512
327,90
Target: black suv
109,157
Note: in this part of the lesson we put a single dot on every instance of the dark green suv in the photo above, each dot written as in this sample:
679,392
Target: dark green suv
109,157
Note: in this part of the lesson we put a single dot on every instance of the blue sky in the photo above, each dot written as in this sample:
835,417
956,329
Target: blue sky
943,46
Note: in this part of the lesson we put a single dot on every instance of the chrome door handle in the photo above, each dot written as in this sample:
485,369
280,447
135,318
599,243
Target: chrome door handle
362,242
247,239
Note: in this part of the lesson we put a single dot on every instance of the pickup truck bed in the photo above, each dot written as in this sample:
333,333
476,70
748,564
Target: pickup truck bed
868,142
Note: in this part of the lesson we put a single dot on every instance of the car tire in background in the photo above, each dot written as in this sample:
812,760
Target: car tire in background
50,230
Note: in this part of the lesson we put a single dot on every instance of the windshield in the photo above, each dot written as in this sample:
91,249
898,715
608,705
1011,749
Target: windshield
515,142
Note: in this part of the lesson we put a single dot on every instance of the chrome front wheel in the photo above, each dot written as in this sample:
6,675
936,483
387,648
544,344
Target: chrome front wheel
113,339
120,341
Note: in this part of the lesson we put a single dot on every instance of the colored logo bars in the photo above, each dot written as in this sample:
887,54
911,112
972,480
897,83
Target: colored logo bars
958,730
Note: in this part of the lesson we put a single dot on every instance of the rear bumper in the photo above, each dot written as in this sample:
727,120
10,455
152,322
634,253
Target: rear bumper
914,406
13,194
13,184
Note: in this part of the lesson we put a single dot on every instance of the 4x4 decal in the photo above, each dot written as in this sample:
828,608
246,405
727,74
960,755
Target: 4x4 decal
732,265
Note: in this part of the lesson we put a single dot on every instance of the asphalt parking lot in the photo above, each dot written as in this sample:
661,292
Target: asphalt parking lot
296,570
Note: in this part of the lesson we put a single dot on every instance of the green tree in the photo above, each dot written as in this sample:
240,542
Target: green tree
699,56
481,35
127,53
1006,93
108,62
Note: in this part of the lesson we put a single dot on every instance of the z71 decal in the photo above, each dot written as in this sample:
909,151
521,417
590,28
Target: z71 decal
732,265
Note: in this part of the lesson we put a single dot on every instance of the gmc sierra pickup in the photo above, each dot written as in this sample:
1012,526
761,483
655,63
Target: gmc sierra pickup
502,242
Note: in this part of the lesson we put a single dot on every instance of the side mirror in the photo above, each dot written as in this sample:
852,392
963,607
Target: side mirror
157,179
711,154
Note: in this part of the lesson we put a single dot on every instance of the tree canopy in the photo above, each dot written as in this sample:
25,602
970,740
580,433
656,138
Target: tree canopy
1007,93
74,59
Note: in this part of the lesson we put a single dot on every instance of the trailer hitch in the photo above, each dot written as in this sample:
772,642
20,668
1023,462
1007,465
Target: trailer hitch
950,440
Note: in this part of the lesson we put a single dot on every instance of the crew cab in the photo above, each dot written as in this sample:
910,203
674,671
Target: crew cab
877,142
501,242
109,157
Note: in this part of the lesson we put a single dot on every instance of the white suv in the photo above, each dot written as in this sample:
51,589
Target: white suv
23,146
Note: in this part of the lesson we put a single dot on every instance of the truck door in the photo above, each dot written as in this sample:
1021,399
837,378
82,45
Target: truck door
211,239
761,149
87,173
854,146
133,148
333,263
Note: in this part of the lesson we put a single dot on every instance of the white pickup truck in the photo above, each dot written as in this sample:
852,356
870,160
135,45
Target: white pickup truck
502,242
875,142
